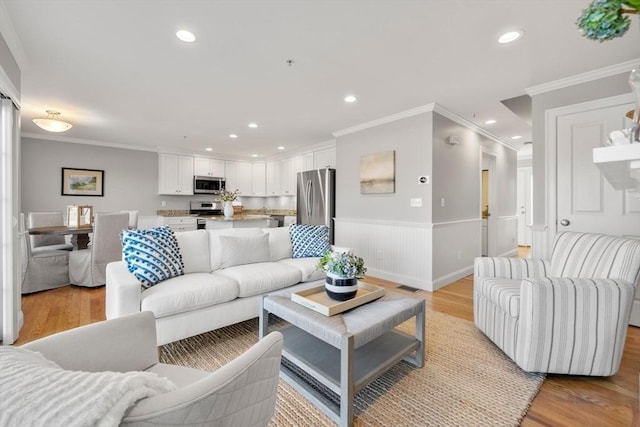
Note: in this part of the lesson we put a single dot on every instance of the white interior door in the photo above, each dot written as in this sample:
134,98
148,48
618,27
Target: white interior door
524,205
585,199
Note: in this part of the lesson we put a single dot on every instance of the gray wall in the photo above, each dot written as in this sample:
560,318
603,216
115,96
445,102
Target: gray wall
9,65
602,88
130,178
411,140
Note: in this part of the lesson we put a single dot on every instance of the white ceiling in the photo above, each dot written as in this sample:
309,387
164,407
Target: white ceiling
116,71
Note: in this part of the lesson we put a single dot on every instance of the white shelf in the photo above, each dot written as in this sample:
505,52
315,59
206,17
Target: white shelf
620,164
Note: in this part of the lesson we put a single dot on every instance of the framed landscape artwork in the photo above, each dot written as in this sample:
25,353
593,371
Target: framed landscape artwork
82,182
378,173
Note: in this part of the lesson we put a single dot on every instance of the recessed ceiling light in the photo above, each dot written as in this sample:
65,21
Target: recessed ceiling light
281,148
186,36
253,125
510,36
233,135
350,98
516,137
208,149
254,155
490,122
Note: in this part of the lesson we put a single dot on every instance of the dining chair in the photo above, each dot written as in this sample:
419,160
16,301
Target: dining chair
44,269
47,242
133,219
87,266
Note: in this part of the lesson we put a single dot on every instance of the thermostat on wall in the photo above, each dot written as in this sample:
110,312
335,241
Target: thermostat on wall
424,179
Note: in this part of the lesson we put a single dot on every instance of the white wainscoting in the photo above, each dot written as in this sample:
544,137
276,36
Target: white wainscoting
507,236
455,245
396,251
539,244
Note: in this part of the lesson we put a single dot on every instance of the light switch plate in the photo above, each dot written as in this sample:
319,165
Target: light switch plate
416,202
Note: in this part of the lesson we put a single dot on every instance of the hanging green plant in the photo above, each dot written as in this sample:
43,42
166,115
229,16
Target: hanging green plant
606,19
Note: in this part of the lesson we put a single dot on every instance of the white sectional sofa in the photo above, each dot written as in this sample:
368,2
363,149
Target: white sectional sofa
226,272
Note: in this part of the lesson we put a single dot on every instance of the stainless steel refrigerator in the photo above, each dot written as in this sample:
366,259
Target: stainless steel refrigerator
316,198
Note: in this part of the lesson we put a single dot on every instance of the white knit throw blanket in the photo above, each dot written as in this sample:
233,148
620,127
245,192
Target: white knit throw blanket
36,392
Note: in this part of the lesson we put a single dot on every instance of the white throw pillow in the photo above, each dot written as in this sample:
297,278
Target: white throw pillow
238,250
194,247
215,248
279,242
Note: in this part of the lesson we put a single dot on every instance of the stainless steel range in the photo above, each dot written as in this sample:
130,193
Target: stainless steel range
204,208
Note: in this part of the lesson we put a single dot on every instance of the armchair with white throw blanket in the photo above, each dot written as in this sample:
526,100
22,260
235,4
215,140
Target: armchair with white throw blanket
566,315
108,373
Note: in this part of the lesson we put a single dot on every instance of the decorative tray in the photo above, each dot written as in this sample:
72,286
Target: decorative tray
317,299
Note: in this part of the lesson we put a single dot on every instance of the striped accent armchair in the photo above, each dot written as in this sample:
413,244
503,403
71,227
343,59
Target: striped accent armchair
566,315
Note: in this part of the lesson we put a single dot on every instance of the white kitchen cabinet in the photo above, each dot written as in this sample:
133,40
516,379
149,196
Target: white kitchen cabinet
175,174
287,177
180,223
273,178
239,176
206,166
259,187
324,158
303,162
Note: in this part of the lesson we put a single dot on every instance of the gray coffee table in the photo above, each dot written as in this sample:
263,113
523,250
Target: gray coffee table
344,352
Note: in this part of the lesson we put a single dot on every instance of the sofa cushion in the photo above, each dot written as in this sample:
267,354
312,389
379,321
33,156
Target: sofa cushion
215,248
152,254
187,293
240,250
309,240
504,293
279,242
255,279
307,267
194,246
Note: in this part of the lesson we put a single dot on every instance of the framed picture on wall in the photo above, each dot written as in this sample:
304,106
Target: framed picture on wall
82,182
378,173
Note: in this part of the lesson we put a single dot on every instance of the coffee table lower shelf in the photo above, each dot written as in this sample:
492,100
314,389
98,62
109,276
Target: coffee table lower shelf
311,360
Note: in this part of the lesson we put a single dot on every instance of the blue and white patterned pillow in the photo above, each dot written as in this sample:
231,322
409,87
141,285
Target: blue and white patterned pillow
152,254
309,240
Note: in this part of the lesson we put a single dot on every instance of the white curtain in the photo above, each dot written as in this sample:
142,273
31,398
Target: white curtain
10,269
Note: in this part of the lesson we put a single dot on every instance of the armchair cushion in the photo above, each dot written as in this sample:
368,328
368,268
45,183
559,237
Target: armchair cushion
37,391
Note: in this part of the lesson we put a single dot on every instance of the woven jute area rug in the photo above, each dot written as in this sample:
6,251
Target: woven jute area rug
466,380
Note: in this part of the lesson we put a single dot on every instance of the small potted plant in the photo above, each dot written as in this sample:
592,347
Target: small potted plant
228,197
343,271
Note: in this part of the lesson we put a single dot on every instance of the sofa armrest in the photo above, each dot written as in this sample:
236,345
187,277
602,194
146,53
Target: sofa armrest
573,325
120,345
509,268
123,291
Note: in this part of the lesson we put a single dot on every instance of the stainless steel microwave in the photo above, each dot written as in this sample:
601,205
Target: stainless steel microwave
208,185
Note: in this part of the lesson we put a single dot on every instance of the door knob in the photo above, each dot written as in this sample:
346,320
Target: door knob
564,222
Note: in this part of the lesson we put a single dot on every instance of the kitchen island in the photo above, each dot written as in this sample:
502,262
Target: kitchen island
218,222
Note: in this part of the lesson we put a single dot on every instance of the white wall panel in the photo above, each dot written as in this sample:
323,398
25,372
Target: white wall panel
396,251
455,244
506,244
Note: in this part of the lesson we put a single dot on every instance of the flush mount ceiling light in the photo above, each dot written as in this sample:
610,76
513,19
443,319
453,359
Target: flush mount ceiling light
281,148
253,125
53,123
186,36
350,99
510,36
208,149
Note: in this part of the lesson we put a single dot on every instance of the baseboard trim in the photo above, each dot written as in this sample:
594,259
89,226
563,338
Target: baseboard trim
452,277
414,282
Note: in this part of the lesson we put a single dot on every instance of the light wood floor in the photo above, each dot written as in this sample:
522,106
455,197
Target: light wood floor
562,400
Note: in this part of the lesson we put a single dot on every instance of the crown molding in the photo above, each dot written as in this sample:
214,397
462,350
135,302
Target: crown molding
11,38
88,142
466,123
387,119
589,76
431,107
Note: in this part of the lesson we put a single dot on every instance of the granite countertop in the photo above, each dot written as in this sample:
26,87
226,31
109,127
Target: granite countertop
241,217
291,212
245,212
173,212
